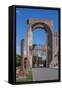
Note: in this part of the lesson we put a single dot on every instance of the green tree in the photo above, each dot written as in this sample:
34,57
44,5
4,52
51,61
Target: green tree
17,61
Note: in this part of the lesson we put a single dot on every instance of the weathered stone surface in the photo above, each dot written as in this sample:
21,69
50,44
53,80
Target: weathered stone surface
22,54
47,25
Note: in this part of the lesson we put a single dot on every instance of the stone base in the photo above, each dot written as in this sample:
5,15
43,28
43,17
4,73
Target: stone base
21,74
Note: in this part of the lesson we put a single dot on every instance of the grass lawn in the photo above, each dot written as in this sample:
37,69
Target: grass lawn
28,76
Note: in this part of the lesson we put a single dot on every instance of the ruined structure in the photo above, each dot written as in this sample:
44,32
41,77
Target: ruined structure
47,26
52,38
55,60
52,43
22,54
39,56
21,73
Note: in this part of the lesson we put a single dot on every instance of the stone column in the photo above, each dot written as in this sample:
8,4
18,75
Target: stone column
21,73
29,46
47,50
22,54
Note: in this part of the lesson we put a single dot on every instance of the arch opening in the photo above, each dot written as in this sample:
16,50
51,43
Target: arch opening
39,48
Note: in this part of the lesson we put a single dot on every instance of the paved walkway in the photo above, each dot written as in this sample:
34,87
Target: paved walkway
44,74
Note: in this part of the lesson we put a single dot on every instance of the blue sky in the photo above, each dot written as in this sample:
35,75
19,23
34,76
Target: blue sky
39,36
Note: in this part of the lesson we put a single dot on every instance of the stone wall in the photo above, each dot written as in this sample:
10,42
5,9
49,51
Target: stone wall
54,63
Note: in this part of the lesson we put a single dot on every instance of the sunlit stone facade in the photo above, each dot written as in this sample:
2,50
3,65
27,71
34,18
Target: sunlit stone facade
52,41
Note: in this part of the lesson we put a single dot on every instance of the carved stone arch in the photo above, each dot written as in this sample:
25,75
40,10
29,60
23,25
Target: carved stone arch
43,24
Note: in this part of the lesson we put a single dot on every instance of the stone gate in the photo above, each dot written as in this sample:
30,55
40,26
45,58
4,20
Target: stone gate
47,25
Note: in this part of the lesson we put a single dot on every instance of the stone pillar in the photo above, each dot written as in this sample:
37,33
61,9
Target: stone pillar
50,44
55,50
21,73
22,54
29,46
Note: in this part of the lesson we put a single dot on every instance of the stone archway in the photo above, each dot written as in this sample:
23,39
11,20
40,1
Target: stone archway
47,26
